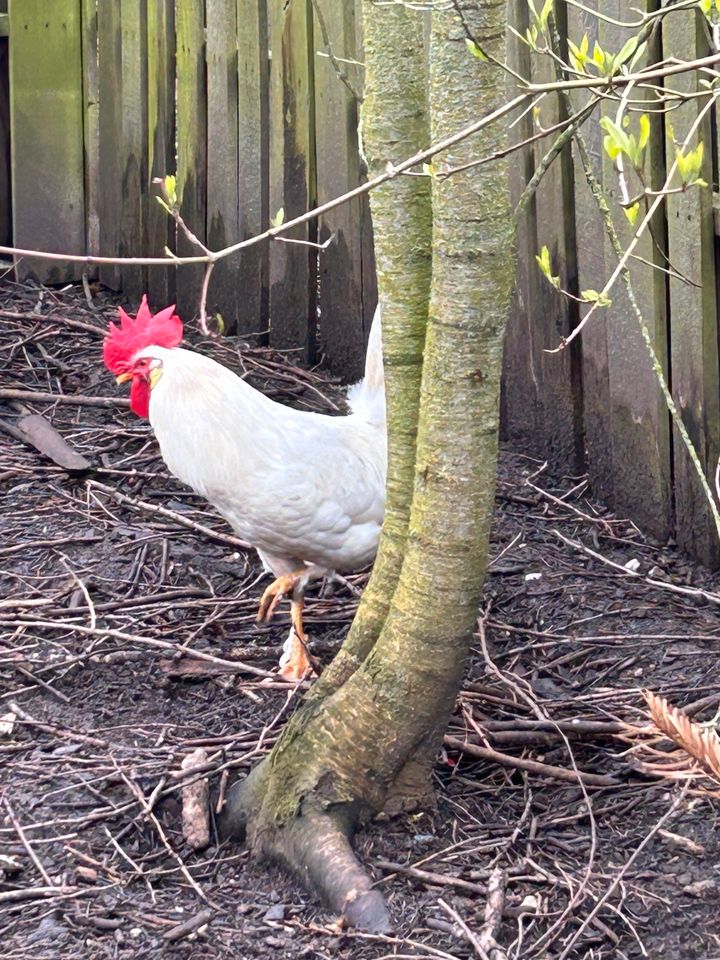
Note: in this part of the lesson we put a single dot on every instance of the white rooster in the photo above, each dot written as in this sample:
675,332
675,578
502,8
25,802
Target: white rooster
307,490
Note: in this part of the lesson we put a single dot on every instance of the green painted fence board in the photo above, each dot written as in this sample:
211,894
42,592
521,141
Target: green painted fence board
159,228
342,334
191,122
292,175
46,121
693,306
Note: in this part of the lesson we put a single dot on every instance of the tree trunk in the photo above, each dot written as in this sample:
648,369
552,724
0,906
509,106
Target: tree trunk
378,724
395,125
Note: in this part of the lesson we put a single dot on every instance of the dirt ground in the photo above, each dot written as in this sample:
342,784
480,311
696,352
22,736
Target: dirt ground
550,771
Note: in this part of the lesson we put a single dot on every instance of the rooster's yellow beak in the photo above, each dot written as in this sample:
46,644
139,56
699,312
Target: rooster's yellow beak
123,378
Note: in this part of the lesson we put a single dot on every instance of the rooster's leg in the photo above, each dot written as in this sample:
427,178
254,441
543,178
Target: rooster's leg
295,663
276,591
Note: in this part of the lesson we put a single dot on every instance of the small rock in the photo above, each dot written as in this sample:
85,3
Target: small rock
701,888
276,912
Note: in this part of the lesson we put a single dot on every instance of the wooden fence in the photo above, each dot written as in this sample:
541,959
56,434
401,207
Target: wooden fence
596,406
238,98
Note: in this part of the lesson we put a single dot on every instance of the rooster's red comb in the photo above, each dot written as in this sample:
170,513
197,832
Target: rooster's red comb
164,329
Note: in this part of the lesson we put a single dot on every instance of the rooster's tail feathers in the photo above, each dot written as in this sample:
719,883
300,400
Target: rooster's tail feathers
367,398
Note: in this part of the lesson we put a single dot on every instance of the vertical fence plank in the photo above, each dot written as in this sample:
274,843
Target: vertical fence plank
252,271
590,243
159,227
520,396
367,245
222,155
639,417
693,307
542,405
292,174
338,170
110,146
5,200
46,134
122,50
191,121
91,125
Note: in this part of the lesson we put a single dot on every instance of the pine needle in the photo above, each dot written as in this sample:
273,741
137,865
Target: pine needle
700,742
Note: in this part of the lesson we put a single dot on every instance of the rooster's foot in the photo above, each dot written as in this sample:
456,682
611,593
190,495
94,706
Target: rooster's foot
295,663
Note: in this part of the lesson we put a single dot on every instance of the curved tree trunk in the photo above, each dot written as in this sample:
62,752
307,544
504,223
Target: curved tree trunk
395,125
342,753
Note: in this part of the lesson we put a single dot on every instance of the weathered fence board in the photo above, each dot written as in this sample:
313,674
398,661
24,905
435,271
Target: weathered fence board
590,242
5,192
191,125
338,170
123,196
292,265
638,414
693,306
519,398
222,154
91,119
543,384
46,123
159,227
253,115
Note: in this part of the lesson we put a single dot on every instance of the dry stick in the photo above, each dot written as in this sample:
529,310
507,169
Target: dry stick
188,926
493,915
138,870
532,766
26,843
164,512
621,873
75,400
470,936
432,878
33,893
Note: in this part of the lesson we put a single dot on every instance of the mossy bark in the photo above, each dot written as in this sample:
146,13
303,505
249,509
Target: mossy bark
395,125
341,754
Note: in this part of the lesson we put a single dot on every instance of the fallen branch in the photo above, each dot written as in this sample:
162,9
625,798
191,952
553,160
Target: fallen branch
531,766
74,400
